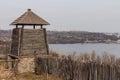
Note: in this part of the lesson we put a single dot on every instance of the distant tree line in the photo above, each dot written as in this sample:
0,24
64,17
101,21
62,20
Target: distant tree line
79,37
63,37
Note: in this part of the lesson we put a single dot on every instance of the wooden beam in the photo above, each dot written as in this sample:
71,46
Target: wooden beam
14,56
45,37
21,39
41,26
33,26
22,26
16,26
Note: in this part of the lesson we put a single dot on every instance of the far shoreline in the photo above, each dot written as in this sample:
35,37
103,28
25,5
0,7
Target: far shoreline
84,43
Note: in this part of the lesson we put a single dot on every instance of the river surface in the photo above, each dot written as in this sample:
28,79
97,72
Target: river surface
99,48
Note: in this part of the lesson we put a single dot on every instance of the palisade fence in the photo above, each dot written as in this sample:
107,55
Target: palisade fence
84,67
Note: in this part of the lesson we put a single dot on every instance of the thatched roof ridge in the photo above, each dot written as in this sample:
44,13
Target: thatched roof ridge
29,18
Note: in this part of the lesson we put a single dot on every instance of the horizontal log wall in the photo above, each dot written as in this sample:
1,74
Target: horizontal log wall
29,42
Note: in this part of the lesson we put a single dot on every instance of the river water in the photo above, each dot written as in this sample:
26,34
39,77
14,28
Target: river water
99,48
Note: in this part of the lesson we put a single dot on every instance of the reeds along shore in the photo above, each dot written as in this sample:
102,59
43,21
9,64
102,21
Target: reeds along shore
86,67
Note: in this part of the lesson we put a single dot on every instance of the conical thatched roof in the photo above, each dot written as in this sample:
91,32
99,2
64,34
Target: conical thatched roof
29,18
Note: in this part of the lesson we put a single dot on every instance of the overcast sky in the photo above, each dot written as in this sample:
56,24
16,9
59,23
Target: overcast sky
83,15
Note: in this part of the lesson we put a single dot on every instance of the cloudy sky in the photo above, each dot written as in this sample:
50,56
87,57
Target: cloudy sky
83,15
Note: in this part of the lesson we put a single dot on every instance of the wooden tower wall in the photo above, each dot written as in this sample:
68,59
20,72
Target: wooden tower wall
29,42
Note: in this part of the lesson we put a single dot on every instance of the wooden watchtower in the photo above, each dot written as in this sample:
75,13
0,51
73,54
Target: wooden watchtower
29,41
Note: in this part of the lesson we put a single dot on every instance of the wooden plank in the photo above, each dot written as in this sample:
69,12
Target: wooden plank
33,38
30,36
30,30
31,45
35,33
33,42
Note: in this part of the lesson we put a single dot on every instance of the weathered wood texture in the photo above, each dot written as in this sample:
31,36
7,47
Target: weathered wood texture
15,41
85,67
29,42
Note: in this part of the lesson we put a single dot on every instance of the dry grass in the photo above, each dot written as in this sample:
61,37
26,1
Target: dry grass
5,74
32,76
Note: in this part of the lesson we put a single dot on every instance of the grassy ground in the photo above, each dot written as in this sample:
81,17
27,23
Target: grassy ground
32,76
